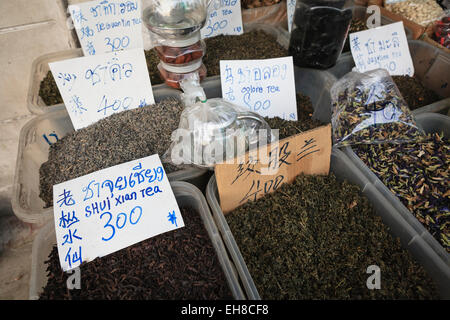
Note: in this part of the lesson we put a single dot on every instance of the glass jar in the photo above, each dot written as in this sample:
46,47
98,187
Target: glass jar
172,75
319,30
181,52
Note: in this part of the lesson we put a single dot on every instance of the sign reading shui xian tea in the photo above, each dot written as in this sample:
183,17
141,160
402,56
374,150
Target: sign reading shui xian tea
108,210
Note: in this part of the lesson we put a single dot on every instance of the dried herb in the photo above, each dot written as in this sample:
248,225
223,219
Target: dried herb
304,123
119,138
181,264
249,4
315,239
414,92
250,45
368,108
49,92
418,174
356,25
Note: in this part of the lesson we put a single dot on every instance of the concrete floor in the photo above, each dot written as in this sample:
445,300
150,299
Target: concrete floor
28,29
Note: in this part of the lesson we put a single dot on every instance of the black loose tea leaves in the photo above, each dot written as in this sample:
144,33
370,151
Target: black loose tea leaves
368,108
316,238
305,122
418,174
176,265
414,92
356,25
119,138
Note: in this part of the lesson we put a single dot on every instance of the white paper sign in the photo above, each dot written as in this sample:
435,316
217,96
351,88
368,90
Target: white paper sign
111,209
224,17
383,47
290,12
264,86
107,25
95,87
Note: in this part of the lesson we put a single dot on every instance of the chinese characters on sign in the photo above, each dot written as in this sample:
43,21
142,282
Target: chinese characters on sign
264,170
111,209
107,25
383,47
95,87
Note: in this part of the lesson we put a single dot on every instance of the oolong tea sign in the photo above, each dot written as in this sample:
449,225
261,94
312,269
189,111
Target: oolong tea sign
108,210
95,87
265,86
264,170
107,25
384,47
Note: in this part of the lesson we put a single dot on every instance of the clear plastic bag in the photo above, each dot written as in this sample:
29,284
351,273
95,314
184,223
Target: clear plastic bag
319,30
274,15
422,12
369,109
213,131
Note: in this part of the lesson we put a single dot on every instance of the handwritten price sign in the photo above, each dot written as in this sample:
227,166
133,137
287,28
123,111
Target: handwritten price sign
107,25
264,86
111,209
224,17
95,87
264,170
384,47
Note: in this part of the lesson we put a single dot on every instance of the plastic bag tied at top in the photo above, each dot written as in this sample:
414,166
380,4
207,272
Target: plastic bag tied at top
319,30
212,131
369,109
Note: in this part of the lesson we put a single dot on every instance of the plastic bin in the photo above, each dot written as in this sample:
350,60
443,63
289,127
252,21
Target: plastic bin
343,168
432,67
186,195
428,251
40,68
34,140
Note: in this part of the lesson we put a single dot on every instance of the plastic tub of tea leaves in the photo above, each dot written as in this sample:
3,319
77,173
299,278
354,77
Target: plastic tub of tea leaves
427,249
188,196
43,94
35,139
428,90
344,170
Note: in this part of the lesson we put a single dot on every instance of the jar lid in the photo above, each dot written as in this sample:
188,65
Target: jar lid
194,38
184,69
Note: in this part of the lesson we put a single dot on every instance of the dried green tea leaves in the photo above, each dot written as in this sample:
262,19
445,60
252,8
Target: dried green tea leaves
368,108
418,174
315,239
181,264
119,138
305,121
